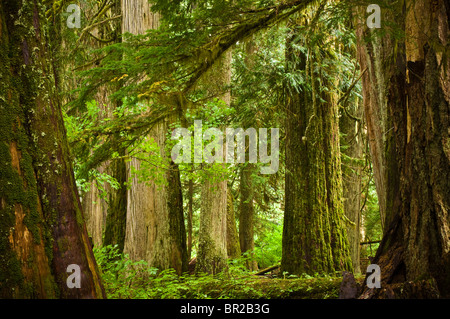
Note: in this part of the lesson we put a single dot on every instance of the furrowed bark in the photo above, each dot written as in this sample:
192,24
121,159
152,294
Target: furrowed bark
43,229
415,249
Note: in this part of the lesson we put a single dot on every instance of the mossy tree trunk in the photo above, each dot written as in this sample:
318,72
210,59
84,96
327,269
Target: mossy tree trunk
42,225
352,143
416,241
314,234
190,216
246,214
233,247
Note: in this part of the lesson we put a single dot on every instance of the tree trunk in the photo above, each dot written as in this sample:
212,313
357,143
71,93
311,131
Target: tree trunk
233,248
190,217
376,83
155,222
42,225
94,206
246,215
314,236
116,217
416,244
351,177
212,242
246,209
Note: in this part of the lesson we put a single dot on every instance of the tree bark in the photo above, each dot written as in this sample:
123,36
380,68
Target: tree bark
116,217
94,206
42,224
246,215
416,244
351,177
233,247
212,242
246,189
190,217
155,222
314,236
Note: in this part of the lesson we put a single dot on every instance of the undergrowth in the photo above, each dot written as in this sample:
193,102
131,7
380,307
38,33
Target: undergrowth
126,279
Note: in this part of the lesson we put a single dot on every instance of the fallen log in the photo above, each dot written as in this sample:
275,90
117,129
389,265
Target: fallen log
266,270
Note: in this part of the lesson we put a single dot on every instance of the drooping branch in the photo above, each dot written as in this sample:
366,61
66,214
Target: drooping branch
212,51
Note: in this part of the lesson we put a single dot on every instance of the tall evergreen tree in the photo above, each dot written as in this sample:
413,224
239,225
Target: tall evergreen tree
314,236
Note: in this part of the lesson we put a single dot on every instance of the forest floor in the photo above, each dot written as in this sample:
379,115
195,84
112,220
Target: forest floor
226,285
126,279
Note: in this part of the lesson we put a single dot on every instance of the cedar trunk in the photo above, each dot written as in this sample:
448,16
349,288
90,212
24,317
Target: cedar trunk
314,236
233,247
155,230
351,176
246,215
212,242
42,224
414,255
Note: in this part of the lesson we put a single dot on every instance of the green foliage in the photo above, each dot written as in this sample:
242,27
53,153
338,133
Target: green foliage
121,276
268,245
126,279
372,221
155,73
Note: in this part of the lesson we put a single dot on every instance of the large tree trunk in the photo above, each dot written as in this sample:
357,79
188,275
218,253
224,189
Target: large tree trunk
212,242
314,236
416,242
42,224
377,95
155,229
95,207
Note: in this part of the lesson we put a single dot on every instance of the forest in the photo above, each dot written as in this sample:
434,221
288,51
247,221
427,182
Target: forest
224,149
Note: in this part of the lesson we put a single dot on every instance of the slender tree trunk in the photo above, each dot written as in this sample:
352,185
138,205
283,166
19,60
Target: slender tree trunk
155,229
414,255
115,224
246,209
246,215
190,217
351,176
42,225
314,236
377,81
233,248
